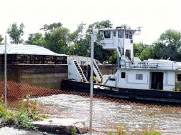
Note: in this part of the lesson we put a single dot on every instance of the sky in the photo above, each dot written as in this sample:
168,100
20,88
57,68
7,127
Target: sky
154,16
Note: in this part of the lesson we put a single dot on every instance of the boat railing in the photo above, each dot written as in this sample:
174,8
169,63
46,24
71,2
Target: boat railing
146,65
141,65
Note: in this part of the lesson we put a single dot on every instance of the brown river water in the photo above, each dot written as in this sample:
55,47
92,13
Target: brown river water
108,114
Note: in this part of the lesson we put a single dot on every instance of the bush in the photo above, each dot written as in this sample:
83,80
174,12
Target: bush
2,111
28,112
2,108
10,118
24,121
73,131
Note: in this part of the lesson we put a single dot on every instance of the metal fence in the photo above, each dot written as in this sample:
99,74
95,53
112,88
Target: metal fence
108,113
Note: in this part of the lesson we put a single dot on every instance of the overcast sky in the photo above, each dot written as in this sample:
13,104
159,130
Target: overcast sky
154,16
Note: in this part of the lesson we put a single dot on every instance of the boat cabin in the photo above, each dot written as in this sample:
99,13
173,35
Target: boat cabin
134,73
115,39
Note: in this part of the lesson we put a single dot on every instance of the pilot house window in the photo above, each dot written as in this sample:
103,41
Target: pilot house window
114,33
139,76
120,34
123,75
107,34
126,34
130,35
179,77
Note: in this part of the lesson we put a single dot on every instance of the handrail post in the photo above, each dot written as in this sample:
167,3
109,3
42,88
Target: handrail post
91,82
93,39
5,75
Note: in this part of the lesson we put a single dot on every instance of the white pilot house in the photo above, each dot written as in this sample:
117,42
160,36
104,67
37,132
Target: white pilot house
134,73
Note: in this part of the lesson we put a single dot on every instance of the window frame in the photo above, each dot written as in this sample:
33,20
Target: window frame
107,34
179,77
123,74
114,33
120,33
139,76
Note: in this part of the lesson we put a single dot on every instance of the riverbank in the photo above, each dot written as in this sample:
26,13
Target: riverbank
109,113
27,117
48,127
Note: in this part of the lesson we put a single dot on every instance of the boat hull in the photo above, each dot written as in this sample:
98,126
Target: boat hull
123,93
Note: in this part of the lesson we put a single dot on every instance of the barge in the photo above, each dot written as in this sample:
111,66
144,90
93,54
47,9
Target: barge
31,70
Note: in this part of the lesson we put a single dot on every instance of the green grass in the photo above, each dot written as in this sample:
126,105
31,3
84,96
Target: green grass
23,118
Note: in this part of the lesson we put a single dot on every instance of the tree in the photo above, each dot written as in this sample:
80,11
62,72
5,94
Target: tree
169,45
138,48
168,52
104,55
1,39
81,47
51,27
35,39
147,53
113,58
171,37
157,48
15,33
76,35
57,40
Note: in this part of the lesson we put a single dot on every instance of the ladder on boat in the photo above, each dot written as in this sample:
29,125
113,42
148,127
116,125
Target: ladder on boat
83,78
97,72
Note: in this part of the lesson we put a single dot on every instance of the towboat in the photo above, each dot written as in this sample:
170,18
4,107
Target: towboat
150,79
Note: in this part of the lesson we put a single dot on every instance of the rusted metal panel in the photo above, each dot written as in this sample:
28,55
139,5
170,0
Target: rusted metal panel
49,80
33,59
33,74
42,75
12,72
107,69
42,69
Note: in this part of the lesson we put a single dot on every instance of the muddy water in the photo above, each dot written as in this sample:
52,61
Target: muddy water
108,115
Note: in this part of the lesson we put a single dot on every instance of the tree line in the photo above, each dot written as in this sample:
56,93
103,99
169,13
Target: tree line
60,40
168,46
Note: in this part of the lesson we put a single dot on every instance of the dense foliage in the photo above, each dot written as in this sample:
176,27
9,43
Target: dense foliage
16,32
166,47
24,117
1,39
